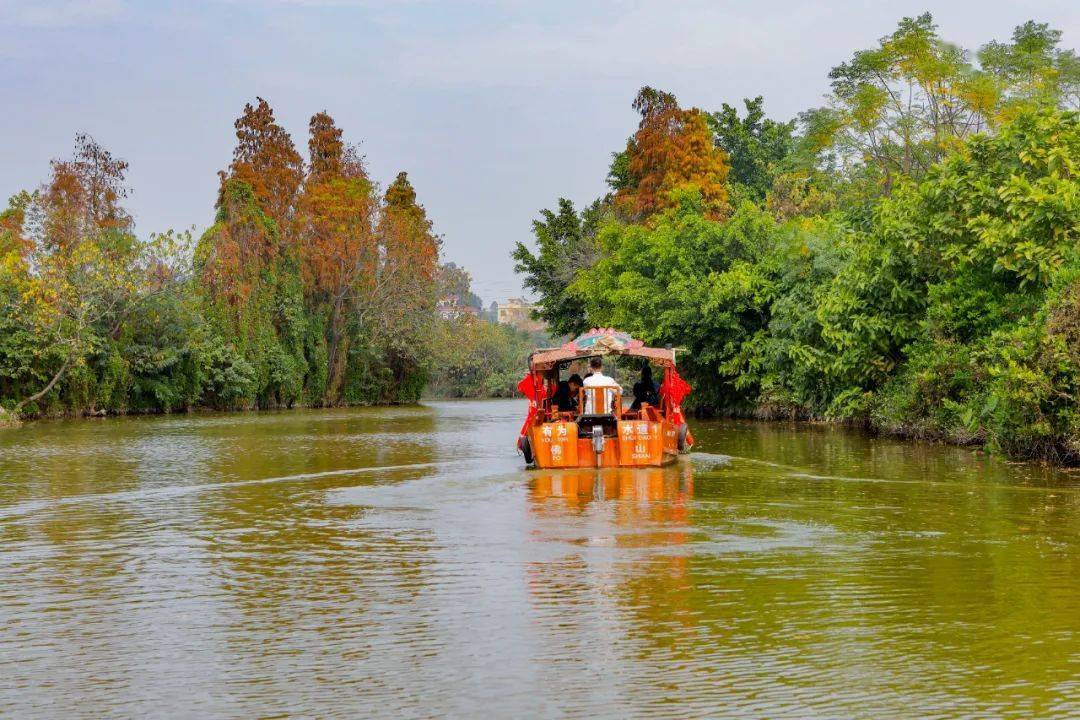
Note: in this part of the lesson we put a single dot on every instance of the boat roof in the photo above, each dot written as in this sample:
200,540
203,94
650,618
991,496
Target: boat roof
600,341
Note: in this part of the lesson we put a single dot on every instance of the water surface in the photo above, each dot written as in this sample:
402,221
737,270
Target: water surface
400,563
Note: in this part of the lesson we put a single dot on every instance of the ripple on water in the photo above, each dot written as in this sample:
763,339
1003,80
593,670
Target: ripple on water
399,563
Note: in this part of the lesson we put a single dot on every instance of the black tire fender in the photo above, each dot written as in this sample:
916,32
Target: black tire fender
683,430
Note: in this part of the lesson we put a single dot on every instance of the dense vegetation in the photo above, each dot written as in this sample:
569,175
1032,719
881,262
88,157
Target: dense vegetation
472,355
310,287
907,257
474,359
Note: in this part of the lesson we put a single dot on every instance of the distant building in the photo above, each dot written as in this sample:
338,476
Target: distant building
451,308
518,313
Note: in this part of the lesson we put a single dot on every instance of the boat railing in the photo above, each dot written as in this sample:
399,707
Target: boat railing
598,396
606,398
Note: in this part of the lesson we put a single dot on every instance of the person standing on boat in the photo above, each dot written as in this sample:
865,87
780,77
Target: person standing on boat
597,378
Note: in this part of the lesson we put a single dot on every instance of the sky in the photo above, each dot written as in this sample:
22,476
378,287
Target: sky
495,108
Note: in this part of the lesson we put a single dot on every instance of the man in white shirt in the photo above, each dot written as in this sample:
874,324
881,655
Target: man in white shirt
599,379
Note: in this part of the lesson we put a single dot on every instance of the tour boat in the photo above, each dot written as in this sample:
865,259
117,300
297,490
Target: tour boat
602,431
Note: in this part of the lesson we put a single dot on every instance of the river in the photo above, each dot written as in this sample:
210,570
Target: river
399,562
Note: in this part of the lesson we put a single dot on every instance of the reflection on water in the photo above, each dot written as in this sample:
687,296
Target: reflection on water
673,484
399,562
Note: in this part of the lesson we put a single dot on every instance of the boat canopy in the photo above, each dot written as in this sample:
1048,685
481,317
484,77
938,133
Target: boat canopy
600,341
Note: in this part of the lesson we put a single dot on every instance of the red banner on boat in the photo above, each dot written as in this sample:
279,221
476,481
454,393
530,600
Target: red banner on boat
532,387
674,389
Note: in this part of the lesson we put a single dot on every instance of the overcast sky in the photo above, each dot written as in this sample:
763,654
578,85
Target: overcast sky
495,108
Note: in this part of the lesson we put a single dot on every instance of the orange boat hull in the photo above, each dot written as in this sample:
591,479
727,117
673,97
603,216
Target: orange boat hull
636,443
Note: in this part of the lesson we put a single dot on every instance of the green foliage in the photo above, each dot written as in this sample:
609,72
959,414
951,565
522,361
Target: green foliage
949,309
907,257
903,105
690,281
940,316
565,245
306,289
758,148
996,230
1033,67
475,359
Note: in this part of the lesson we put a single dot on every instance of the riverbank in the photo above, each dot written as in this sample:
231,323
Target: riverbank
9,420
1062,454
929,288
1062,457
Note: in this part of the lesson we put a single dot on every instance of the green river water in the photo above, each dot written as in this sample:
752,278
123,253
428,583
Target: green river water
400,562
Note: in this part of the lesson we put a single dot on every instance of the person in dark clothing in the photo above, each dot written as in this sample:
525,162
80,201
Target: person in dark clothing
565,398
560,400
645,390
574,381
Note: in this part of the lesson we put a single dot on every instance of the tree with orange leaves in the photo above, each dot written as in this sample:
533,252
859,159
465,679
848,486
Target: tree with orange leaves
77,270
266,159
255,205
326,150
233,251
82,198
248,263
338,252
410,246
672,148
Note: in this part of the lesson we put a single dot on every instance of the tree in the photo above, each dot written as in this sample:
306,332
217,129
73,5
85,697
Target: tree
338,251
672,148
455,282
1032,69
756,146
400,308
249,265
326,149
78,269
233,252
266,159
901,106
565,246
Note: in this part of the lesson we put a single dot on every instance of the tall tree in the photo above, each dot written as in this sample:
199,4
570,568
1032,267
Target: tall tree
404,299
234,250
899,107
1032,69
266,159
338,250
325,148
84,272
249,261
756,146
565,246
672,148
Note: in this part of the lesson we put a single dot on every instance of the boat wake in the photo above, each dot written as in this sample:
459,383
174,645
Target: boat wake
31,506
709,461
